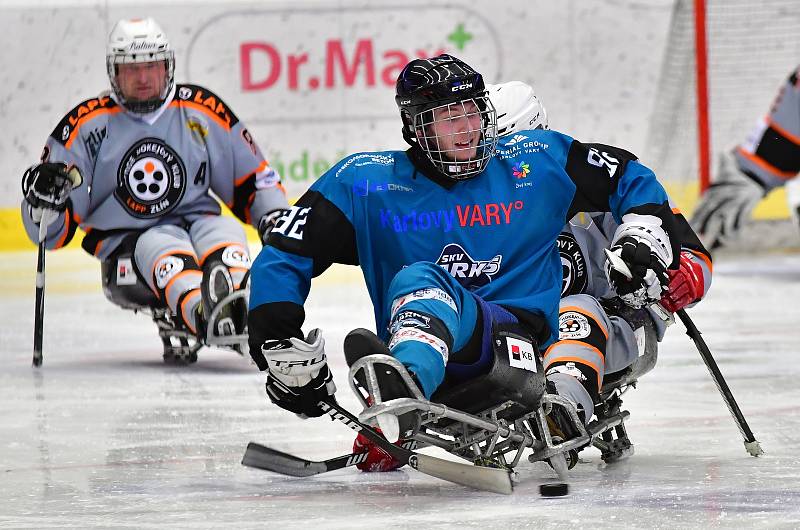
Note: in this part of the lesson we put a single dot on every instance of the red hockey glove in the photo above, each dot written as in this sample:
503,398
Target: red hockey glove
377,459
686,285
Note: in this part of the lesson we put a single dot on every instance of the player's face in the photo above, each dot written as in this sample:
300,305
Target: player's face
141,81
456,130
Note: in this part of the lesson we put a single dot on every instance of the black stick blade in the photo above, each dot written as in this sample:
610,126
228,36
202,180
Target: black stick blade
262,457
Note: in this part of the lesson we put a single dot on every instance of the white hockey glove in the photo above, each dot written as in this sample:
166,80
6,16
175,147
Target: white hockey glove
267,223
297,374
47,186
637,261
727,204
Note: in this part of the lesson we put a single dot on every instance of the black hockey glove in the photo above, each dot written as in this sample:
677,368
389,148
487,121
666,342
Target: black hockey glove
297,374
46,186
267,223
635,271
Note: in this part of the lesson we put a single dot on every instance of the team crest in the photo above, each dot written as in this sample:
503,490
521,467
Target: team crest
469,272
573,265
151,179
573,325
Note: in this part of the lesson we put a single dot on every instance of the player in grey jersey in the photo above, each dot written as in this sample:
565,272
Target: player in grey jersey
141,170
768,158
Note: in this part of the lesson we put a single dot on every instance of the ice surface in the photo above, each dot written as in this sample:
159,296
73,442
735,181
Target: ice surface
105,435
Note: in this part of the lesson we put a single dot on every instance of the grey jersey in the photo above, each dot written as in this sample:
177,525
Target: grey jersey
162,168
771,151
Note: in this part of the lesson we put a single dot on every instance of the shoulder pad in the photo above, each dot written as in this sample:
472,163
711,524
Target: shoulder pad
66,129
204,100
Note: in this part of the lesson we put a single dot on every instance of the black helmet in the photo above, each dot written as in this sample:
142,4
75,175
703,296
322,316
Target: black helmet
425,85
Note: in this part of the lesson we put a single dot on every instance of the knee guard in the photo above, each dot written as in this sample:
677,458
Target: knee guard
580,349
123,284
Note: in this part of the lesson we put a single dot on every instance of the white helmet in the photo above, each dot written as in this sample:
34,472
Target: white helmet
139,40
518,108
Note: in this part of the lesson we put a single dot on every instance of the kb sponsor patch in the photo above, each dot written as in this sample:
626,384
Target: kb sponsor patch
151,179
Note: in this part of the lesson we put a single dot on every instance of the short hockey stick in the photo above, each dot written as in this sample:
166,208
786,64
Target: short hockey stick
750,443
263,457
478,477
38,317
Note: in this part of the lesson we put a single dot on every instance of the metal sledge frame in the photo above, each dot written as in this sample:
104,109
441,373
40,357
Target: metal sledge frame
486,438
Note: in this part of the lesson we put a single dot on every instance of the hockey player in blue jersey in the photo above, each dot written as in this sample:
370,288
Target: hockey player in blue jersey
592,322
456,238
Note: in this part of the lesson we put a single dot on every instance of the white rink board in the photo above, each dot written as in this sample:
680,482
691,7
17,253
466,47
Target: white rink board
320,79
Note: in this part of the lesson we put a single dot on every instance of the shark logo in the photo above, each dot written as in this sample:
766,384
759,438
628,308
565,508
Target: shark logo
470,273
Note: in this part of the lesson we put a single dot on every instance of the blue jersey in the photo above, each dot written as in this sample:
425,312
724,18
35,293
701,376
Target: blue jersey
496,233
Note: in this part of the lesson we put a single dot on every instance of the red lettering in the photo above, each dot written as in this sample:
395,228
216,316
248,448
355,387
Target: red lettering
507,211
462,215
477,216
392,69
492,211
334,56
246,50
293,63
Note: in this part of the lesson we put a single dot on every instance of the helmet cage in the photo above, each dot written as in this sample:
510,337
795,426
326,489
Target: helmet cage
447,160
122,56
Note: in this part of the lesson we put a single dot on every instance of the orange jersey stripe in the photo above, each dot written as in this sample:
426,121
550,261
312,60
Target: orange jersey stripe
74,133
190,272
218,246
703,257
581,361
202,108
238,182
60,242
783,132
194,293
765,165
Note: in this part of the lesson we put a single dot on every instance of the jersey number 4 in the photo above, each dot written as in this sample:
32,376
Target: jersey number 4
291,223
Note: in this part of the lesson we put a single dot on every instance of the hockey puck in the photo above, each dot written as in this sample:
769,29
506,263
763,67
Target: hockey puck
554,489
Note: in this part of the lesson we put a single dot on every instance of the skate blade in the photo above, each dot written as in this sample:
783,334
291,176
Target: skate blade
390,426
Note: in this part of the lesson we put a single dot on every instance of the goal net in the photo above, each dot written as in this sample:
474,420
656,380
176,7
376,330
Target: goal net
752,46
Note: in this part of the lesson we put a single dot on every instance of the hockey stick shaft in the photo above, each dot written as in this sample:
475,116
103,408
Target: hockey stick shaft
38,317
482,478
719,380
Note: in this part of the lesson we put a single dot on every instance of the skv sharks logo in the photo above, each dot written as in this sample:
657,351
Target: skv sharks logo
470,273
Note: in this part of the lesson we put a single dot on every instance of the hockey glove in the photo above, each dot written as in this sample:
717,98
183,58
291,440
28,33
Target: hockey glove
267,223
727,204
297,374
686,285
637,261
46,186
377,459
